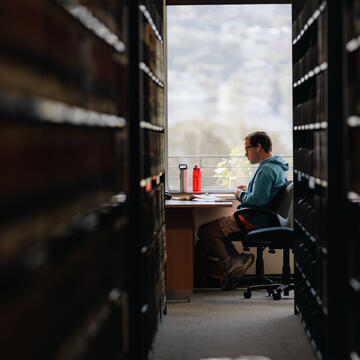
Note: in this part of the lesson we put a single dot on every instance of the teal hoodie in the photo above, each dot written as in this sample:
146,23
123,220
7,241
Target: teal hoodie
269,177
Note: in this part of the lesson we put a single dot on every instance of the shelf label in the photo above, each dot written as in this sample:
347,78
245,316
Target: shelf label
312,182
355,284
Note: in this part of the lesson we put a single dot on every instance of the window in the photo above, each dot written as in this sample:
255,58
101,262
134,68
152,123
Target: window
229,73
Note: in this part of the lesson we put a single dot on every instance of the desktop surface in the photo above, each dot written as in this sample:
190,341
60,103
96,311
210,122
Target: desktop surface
196,204
200,200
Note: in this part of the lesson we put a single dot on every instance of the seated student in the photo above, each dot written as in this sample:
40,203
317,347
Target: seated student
267,180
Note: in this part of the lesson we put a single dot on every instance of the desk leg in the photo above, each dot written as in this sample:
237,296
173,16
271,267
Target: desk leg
180,253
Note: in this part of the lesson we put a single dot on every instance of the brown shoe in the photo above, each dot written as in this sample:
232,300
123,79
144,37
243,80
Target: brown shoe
247,259
239,265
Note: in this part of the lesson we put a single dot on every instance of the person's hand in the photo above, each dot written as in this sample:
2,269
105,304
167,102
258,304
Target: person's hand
240,189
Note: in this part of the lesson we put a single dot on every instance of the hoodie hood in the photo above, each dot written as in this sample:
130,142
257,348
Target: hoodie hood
278,160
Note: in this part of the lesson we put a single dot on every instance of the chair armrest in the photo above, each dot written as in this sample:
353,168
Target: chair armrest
276,237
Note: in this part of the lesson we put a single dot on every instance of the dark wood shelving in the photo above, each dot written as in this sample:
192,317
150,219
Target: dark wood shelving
315,71
150,74
307,233
353,121
319,189
310,21
311,289
56,112
152,127
308,334
312,126
312,181
351,70
84,15
355,285
82,240
150,20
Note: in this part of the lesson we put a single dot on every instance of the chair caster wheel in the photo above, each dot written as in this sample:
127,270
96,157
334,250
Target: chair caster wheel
277,296
247,294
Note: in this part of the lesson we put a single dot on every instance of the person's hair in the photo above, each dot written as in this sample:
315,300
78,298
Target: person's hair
260,137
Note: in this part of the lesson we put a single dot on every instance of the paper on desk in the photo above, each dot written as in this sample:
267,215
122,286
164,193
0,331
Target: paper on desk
204,197
225,197
213,198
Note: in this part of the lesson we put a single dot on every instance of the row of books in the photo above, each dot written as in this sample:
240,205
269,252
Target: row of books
313,317
18,77
154,297
60,280
53,55
103,333
354,166
306,63
354,291
112,13
153,10
153,97
322,36
316,52
58,163
311,263
314,109
306,259
305,113
312,158
154,211
305,13
353,331
311,213
322,97
353,266
353,19
153,152
353,99
153,54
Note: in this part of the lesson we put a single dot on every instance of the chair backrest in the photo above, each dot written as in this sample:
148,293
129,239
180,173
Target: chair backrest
276,202
286,205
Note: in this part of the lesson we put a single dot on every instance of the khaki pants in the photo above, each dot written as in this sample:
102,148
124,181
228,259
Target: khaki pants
213,234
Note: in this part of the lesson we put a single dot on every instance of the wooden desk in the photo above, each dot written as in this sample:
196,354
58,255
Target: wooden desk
180,245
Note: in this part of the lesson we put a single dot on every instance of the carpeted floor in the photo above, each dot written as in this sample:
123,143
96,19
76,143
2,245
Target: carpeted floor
221,325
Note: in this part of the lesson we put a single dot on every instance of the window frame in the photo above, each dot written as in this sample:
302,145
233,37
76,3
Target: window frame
225,2
197,2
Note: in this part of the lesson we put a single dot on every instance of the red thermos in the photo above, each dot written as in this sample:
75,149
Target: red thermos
196,179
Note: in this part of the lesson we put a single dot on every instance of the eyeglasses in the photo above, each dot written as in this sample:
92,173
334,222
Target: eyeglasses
248,147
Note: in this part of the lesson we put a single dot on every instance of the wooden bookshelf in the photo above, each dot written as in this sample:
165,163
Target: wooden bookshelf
82,251
350,51
147,169
318,167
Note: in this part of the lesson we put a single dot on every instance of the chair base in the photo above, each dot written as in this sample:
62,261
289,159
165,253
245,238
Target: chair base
275,290
248,280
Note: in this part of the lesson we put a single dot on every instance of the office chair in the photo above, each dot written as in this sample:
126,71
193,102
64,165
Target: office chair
279,236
